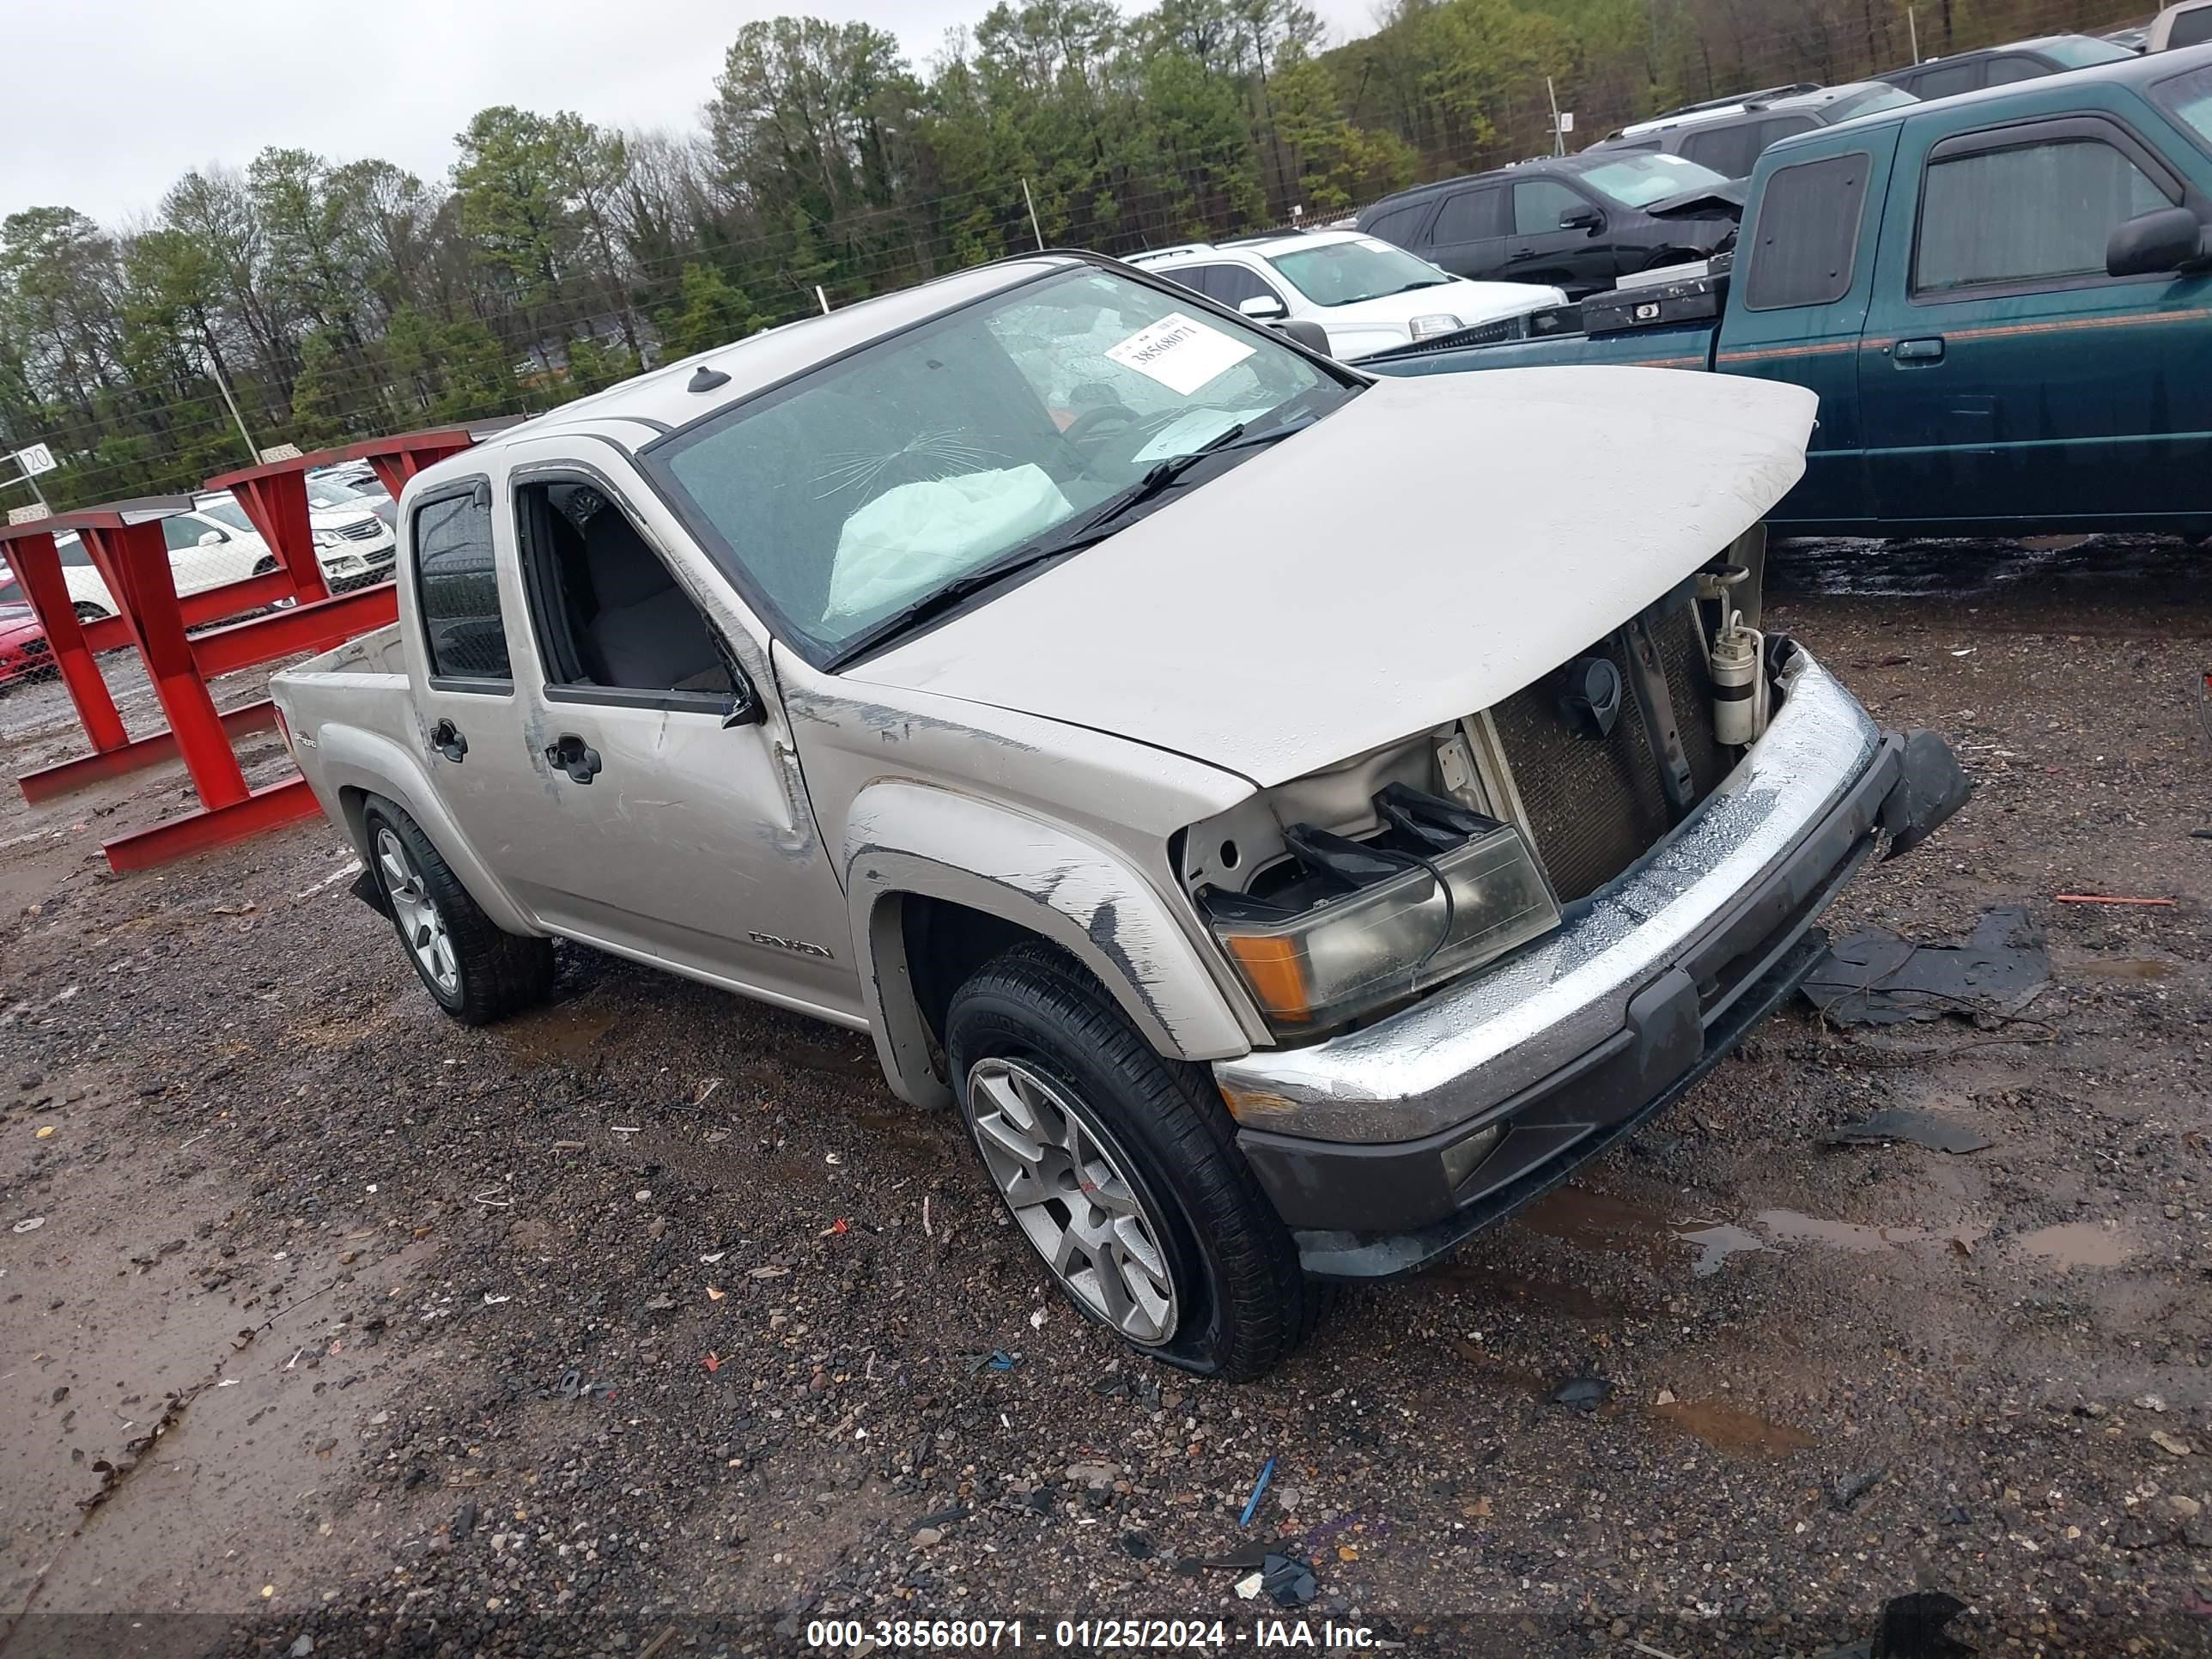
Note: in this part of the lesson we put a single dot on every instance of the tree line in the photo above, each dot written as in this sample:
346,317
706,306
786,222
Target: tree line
344,298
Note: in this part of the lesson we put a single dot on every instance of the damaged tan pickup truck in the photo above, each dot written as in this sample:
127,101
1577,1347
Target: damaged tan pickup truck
1295,818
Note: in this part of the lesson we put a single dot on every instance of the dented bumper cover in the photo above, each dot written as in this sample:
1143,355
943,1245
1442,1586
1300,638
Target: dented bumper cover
1385,1147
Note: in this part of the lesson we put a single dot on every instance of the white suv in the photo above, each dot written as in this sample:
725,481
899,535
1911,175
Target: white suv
1365,293
353,542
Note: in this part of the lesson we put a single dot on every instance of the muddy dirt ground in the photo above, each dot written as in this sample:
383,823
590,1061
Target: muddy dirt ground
651,1324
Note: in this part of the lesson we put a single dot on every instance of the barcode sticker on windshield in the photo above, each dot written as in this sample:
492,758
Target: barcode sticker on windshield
1180,352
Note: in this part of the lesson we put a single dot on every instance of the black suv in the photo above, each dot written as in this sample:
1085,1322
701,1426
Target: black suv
1580,222
1728,134
1994,66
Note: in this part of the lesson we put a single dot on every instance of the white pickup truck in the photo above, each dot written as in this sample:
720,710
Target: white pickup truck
1295,818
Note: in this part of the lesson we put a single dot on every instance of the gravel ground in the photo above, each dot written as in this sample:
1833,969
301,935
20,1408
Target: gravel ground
651,1324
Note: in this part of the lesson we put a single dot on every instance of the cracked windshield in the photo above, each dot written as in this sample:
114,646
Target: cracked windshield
925,459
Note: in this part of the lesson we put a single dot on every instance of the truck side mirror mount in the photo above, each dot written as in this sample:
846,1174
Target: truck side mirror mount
742,706
1582,216
1263,307
2152,244
1310,335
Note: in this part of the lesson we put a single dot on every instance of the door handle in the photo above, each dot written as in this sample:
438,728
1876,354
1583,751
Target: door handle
445,738
1918,351
572,755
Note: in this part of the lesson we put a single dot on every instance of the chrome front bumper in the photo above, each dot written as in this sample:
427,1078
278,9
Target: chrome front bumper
1458,1056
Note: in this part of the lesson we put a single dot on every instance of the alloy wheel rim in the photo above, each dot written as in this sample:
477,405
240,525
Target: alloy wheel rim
421,922
1063,1183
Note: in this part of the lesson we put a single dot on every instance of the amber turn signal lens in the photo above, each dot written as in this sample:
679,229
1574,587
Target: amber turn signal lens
1275,970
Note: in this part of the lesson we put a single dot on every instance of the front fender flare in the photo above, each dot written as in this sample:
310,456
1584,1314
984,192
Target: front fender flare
912,838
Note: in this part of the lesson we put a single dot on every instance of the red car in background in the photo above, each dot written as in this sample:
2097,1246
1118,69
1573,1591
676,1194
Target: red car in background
23,649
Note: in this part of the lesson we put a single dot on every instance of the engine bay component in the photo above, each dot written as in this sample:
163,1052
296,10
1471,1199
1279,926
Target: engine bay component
1589,696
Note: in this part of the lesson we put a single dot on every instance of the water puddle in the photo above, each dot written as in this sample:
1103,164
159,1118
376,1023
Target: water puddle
1617,1226
1553,1296
2076,1244
564,1031
2146,968
824,1057
1727,1428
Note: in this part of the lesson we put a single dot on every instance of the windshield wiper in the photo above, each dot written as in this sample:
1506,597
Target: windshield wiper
1090,531
940,600
1425,282
1157,479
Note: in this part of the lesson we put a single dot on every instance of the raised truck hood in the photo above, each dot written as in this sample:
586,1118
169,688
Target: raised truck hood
1423,553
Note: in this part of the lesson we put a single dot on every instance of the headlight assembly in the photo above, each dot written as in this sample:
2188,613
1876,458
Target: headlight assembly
1357,924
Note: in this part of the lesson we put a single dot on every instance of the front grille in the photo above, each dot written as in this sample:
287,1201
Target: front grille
1597,806
35,648
366,530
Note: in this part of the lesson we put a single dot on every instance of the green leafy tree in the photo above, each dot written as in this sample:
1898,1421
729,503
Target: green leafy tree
709,312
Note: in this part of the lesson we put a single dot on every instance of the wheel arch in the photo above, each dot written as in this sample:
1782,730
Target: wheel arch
356,765
922,911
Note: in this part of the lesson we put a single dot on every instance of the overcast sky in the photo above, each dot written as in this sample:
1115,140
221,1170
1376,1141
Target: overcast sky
108,101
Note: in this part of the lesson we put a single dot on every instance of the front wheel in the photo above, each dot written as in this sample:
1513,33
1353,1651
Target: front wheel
477,972
1121,1170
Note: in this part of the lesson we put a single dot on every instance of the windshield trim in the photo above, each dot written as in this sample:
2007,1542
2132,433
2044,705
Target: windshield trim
1664,160
1273,262
653,460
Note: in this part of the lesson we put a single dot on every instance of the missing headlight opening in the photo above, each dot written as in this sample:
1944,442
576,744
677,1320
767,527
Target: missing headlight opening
1353,889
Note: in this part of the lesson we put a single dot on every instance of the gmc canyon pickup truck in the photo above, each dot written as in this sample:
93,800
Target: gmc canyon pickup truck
1016,668
2003,300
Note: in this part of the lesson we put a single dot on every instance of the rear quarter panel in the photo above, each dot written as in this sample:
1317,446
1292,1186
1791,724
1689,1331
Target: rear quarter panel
355,732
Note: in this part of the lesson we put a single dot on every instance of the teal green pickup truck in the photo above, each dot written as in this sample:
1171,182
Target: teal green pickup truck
2003,300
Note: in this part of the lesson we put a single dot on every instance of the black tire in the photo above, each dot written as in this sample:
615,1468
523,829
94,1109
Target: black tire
496,973
1244,1303
86,611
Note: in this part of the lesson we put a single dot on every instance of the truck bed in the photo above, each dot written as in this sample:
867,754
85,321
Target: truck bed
361,685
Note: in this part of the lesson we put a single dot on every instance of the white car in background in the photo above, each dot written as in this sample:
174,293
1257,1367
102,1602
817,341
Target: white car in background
1367,295
214,545
204,551
355,545
359,478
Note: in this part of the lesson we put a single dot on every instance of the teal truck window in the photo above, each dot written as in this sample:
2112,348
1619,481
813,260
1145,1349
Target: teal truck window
2034,213
1807,237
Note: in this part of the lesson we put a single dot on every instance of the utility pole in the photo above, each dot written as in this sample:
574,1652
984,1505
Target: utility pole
222,385
1029,201
1558,133
1913,24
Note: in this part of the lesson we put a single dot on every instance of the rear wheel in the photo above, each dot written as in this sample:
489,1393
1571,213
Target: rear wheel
1121,1170
477,972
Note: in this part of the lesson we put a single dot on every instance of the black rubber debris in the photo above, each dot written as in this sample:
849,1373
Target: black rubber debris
1584,1393
1877,977
1288,1581
1911,1627
1938,1133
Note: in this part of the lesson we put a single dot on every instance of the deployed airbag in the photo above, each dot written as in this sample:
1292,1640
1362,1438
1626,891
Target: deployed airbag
916,537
